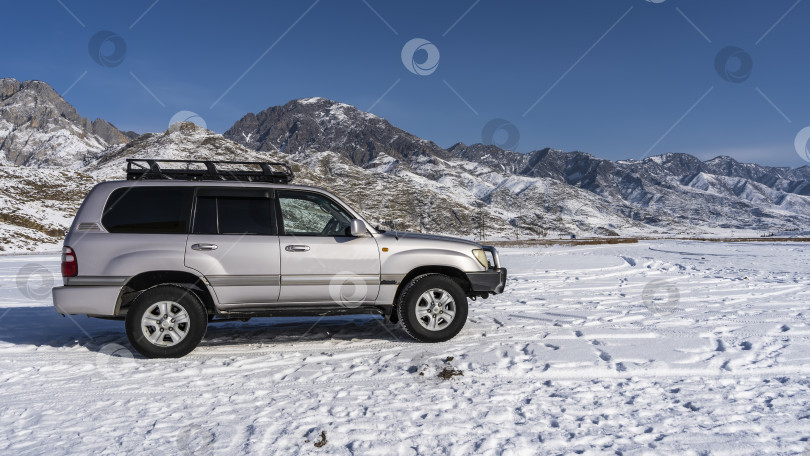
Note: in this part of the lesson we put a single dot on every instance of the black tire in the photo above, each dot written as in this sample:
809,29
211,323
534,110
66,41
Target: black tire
192,330
411,299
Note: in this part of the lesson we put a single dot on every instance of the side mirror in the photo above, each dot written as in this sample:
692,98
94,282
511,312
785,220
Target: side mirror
357,228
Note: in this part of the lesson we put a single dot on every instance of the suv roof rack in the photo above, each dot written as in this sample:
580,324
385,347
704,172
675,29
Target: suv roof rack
147,168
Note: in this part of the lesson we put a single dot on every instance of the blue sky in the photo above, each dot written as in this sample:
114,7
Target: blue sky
619,76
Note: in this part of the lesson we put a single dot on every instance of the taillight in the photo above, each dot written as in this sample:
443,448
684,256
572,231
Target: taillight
70,266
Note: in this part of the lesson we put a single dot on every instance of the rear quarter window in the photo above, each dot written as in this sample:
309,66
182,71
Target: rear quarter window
153,210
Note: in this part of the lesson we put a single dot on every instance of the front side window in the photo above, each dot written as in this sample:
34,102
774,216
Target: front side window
148,210
233,214
310,214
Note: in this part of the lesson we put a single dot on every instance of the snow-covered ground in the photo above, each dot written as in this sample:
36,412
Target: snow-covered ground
661,347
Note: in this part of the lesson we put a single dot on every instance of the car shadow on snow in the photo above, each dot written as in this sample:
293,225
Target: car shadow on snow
291,330
44,327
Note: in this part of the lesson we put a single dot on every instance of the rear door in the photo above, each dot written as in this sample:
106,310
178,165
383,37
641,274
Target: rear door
234,244
321,263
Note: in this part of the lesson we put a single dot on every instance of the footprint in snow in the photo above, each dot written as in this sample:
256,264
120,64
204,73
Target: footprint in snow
691,407
630,261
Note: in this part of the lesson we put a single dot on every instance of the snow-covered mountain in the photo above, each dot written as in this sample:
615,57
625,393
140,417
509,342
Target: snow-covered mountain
395,178
39,128
672,192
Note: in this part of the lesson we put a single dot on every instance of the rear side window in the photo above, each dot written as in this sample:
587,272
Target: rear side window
233,215
148,210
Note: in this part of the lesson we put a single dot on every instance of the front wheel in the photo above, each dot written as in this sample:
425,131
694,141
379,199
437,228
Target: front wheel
432,308
166,321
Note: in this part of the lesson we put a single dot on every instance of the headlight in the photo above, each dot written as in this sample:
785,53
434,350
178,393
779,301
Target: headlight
481,257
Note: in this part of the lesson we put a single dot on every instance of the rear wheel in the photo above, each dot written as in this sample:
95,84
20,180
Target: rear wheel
432,308
166,321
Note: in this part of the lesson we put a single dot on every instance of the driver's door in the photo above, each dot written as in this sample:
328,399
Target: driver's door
321,262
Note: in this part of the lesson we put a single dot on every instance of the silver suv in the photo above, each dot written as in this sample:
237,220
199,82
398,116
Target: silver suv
170,250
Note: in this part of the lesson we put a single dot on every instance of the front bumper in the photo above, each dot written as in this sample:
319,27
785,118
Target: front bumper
490,281
78,300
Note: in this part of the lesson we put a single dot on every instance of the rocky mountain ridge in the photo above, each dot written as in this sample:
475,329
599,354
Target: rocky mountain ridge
39,128
656,191
395,178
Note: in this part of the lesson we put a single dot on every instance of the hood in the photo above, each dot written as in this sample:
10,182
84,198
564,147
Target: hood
432,237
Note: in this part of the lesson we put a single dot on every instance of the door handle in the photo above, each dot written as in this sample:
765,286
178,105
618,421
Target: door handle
297,248
204,246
